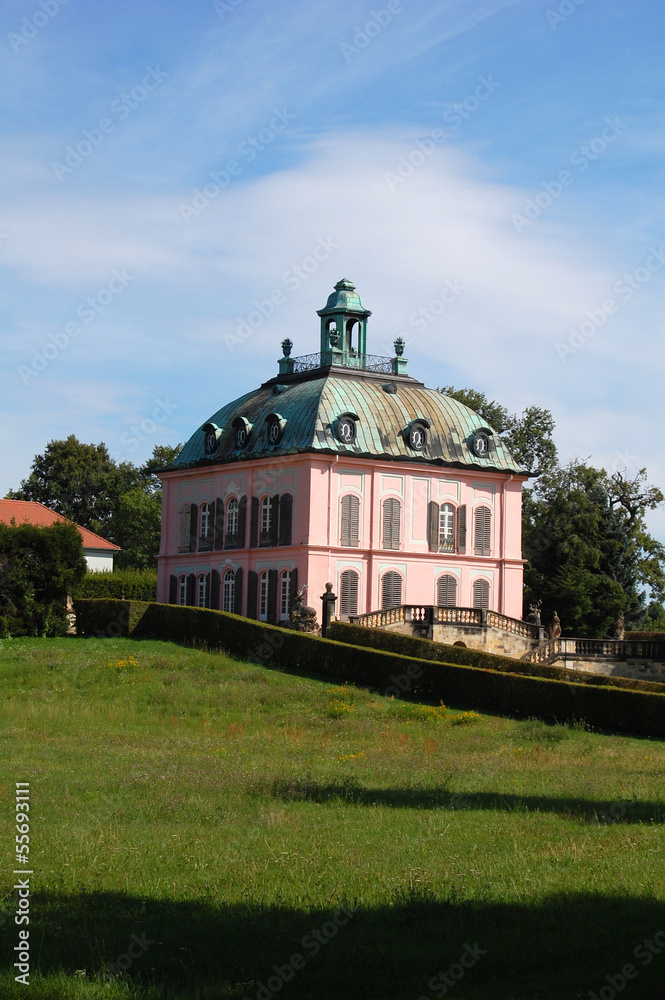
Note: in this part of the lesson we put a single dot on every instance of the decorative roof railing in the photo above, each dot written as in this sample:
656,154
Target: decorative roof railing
363,362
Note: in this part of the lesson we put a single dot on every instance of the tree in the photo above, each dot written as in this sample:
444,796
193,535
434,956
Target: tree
121,502
589,554
528,437
39,567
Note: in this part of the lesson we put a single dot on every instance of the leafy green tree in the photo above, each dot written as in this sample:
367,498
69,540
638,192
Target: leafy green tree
39,567
121,502
528,437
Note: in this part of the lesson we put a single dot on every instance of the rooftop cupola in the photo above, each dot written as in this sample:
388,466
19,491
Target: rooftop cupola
343,326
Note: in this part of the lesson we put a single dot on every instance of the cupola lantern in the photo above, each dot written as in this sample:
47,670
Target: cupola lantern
343,327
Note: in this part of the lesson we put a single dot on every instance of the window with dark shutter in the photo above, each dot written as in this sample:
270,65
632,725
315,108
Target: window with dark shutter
350,520
392,515
461,529
263,596
215,587
446,591
265,533
284,595
272,595
447,528
391,590
228,591
185,520
182,589
285,519
483,531
207,527
348,594
202,591
232,516
481,594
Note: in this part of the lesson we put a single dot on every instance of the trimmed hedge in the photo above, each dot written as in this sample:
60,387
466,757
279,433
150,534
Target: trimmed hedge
426,649
122,584
609,708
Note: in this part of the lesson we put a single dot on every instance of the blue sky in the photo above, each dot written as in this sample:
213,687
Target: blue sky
167,168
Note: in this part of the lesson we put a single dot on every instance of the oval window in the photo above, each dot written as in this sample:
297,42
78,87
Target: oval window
417,437
346,430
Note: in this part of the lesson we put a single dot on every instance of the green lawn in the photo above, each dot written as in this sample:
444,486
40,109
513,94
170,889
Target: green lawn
224,814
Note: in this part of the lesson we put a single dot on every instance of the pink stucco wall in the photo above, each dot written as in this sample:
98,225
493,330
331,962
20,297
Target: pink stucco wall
318,483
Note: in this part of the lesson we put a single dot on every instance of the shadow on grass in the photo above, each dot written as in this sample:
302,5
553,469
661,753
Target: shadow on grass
350,790
561,948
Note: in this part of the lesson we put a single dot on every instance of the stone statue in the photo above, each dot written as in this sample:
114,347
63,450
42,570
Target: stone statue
620,628
534,616
303,618
555,627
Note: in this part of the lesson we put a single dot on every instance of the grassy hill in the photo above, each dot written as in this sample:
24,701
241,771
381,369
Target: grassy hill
217,819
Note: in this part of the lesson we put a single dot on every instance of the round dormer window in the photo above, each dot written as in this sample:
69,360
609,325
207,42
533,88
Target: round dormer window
346,430
480,444
417,437
274,431
241,436
210,441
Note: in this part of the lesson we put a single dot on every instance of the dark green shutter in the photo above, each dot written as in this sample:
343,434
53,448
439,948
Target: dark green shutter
293,588
461,529
285,519
207,601
433,526
274,519
219,524
215,584
272,595
254,524
193,520
483,531
350,520
242,522
252,594
191,590
173,590
237,594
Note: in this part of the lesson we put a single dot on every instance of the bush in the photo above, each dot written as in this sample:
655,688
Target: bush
407,645
610,708
39,567
122,584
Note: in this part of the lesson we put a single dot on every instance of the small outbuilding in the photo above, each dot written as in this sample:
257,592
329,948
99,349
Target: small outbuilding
99,553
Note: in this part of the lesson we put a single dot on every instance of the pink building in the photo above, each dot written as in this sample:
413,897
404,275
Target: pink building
342,468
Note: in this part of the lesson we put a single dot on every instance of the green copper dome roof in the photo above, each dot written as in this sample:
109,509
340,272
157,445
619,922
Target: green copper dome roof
344,299
301,414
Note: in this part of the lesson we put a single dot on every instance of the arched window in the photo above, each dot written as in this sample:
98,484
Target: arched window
202,590
229,591
184,525
392,517
265,537
446,591
483,532
232,523
391,590
263,596
205,541
285,595
348,594
350,520
446,528
481,594
182,589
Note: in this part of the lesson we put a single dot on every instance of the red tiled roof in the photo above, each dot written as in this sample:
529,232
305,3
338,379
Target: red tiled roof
31,512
